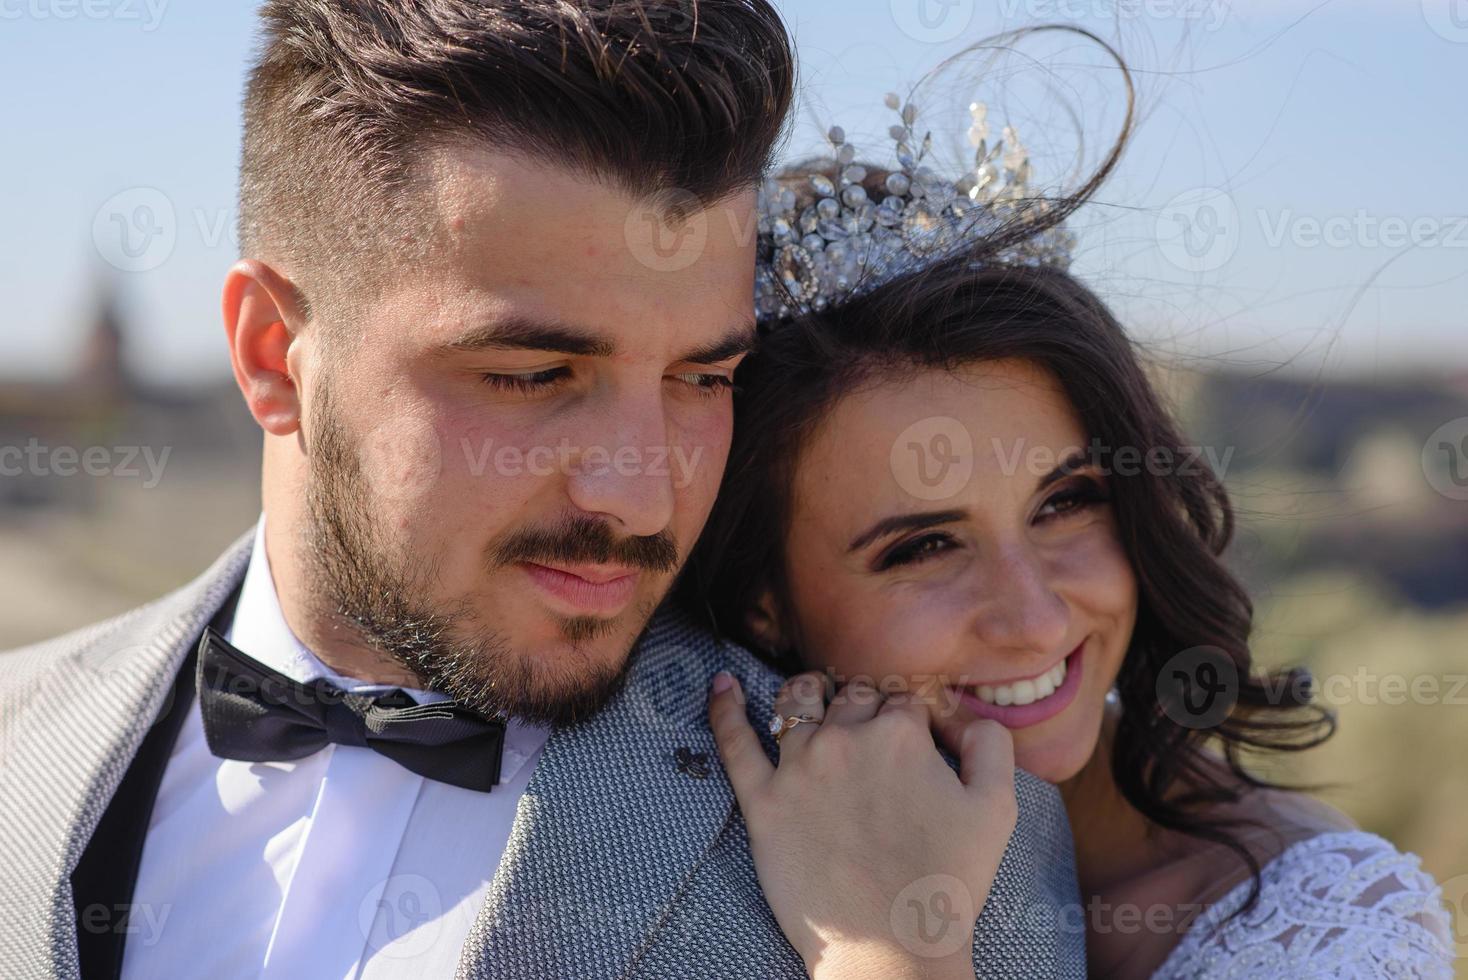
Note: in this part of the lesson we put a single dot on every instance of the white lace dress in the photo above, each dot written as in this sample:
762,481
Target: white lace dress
1341,904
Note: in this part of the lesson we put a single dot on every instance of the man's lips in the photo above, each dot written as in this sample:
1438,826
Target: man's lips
595,574
585,589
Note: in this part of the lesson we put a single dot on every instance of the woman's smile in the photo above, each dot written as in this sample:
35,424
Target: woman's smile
1031,700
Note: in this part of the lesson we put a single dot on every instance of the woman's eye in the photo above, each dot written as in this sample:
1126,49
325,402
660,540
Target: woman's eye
707,385
914,551
528,383
1072,500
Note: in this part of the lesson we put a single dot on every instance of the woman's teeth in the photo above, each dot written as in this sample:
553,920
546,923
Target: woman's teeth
1023,692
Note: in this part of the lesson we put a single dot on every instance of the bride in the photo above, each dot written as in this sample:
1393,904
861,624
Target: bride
935,517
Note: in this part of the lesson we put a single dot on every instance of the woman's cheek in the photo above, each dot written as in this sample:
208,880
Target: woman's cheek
1091,570
900,633
1116,579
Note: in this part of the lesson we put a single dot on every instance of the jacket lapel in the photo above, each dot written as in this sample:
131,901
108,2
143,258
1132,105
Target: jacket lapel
73,726
618,816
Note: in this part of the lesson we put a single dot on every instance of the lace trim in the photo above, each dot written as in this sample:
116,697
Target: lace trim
1340,904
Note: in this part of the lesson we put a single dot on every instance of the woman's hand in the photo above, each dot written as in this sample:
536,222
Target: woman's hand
874,855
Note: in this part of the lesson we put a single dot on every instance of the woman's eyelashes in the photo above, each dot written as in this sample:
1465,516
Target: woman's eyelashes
1071,500
914,550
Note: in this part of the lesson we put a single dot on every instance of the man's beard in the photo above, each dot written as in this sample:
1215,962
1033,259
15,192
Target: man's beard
381,594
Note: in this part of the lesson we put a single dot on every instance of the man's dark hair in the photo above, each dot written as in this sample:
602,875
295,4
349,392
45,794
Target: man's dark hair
648,96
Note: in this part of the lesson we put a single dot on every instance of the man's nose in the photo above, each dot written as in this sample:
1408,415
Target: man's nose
621,474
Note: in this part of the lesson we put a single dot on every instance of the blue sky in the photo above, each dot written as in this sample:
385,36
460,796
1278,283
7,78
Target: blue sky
1287,158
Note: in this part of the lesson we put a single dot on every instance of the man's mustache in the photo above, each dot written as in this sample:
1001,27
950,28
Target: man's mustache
582,540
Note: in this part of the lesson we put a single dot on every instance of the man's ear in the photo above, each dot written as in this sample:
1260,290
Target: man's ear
262,319
764,621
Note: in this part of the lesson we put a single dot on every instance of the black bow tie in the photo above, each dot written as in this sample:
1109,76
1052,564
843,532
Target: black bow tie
255,714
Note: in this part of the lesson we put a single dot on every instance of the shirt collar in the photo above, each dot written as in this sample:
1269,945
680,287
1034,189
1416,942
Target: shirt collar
260,630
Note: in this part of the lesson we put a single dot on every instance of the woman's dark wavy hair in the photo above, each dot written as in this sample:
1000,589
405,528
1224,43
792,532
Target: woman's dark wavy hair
1174,526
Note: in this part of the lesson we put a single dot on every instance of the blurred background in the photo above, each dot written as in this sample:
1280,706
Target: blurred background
1287,234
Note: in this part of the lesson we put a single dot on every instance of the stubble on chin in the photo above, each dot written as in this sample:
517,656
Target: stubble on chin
380,595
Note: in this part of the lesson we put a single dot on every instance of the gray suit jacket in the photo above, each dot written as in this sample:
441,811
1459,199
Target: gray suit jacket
622,862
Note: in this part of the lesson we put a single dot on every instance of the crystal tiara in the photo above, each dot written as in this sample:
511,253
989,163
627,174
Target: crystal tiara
829,231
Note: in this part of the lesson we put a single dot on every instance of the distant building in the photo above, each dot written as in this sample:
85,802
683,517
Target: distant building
103,404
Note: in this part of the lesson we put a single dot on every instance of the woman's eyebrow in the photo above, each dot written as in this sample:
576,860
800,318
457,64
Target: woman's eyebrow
1072,463
904,522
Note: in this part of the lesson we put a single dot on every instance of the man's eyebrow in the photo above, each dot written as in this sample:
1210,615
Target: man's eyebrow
904,522
741,340
529,333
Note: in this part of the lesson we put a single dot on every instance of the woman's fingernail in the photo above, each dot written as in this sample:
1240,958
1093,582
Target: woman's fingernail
723,680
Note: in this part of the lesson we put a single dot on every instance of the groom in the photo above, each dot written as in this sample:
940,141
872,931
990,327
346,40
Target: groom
422,719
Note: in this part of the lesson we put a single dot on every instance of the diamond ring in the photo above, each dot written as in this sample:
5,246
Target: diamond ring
779,726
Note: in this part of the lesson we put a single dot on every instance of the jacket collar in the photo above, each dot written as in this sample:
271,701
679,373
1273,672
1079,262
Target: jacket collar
620,814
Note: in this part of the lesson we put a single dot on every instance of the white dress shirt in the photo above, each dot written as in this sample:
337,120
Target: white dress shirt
340,864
